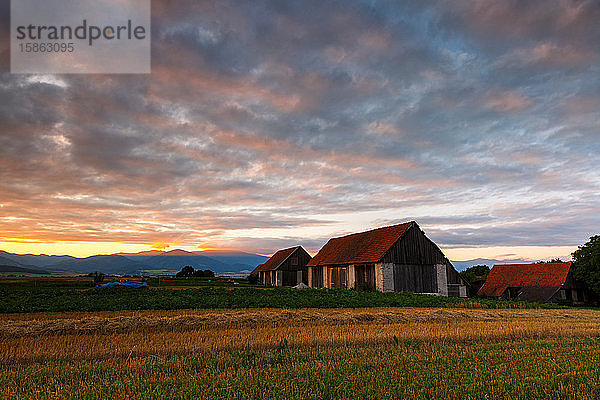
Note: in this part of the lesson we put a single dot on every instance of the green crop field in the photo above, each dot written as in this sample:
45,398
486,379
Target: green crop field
548,369
79,294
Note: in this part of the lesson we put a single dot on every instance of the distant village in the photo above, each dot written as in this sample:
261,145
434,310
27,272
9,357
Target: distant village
402,258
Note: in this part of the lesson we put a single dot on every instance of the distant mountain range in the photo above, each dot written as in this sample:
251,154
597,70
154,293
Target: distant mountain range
162,262
148,262
462,265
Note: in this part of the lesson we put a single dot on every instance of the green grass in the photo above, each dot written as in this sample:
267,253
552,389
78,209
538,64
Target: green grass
94,299
172,282
532,369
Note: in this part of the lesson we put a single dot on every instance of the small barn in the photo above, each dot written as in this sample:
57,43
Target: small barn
287,267
394,258
542,282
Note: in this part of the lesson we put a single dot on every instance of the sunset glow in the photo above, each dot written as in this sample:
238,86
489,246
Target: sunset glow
266,125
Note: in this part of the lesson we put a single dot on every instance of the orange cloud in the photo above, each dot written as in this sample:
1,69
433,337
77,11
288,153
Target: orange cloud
160,245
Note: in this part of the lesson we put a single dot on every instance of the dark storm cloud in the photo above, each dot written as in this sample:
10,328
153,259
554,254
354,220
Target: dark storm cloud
477,119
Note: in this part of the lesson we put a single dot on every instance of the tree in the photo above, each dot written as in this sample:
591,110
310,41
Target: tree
587,264
98,277
554,260
475,273
208,273
474,276
186,271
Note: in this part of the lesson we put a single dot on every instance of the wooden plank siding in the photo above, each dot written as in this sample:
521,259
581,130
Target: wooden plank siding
414,257
415,278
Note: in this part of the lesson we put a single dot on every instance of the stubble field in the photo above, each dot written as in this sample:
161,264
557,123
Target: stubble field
302,353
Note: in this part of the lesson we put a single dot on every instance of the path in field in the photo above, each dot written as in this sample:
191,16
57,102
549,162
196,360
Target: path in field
108,335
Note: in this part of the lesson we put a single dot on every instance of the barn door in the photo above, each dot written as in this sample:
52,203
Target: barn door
337,277
289,278
364,276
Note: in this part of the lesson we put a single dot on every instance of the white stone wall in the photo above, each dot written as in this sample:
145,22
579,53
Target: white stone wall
378,277
387,277
442,279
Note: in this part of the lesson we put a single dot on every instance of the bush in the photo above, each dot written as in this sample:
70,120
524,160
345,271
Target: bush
52,300
365,287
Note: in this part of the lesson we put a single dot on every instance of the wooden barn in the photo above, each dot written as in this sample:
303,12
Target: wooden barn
394,258
542,282
286,267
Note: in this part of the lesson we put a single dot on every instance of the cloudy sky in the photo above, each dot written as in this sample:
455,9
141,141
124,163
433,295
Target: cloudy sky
270,123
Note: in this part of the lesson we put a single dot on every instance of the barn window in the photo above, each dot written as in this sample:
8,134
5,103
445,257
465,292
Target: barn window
294,261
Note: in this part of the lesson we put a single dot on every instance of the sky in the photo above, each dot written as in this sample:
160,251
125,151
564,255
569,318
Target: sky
267,124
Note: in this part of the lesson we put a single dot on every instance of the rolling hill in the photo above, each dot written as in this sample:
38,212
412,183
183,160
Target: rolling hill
39,260
8,265
108,264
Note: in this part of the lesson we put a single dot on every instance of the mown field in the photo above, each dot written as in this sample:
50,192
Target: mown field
341,353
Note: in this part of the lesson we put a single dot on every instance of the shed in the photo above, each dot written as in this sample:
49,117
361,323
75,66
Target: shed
543,282
393,258
287,267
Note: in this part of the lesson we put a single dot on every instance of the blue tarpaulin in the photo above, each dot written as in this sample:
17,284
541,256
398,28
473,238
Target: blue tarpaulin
130,284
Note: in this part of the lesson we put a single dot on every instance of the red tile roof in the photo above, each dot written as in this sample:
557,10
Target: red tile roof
540,274
364,247
276,260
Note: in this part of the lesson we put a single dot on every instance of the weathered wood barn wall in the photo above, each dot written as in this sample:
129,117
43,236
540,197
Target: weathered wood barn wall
394,258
